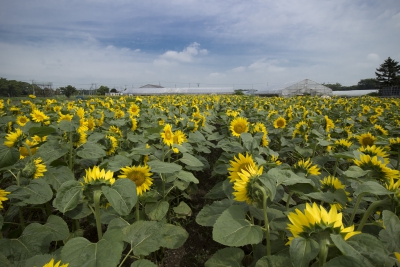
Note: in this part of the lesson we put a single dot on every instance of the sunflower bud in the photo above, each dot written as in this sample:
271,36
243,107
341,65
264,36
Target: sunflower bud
29,170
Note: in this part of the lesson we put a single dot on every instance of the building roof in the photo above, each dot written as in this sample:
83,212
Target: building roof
151,86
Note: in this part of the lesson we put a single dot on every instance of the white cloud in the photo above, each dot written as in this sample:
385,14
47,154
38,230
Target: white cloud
185,56
373,57
239,69
266,65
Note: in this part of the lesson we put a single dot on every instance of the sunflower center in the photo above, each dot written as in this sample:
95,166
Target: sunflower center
239,128
367,141
168,135
280,123
137,177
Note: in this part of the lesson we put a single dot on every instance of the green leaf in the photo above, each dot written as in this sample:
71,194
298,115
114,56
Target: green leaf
247,140
79,251
1,221
118,162
371,187
67,126
182,210
365,248
41,131
344,261
302,251
274,261
157,211
390,235
226,257
187,176
58,227
39,260
50,151
286,177
172,236
143,263
209,214
305,152
68,196
91,151
121,195
163,167
8,156
80,211
57,176
143,236
355,172
327,197
191,160
232,229
270,184
36,192
216,192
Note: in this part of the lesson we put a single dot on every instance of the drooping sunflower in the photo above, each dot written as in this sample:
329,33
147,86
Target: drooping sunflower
96,175
307,167
329,125
111,144
34,169
238,164
14,138
22,120
238,126
366,139
378,168
331,184
116,130
375,151
280,123
57,264
3,197
141,175
39,116
79,137
134,124
244,185
316,219
167,135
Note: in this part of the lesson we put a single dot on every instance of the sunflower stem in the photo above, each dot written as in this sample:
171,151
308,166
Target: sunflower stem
71,147
288,200
126,256
28,149
355,209
370,210
21,217
96,198
266,222
336,165
137,211
323,253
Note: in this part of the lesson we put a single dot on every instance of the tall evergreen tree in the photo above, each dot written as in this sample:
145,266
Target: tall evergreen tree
388,73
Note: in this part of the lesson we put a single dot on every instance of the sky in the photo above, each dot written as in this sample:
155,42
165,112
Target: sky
259,44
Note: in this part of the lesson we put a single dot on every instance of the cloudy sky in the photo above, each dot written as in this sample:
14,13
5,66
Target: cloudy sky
242,43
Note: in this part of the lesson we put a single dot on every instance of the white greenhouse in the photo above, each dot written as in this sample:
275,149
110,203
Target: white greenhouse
182,90
304,87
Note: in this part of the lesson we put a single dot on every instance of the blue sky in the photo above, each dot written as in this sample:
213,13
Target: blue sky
262,44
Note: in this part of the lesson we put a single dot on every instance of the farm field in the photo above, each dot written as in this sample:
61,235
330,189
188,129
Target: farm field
200,180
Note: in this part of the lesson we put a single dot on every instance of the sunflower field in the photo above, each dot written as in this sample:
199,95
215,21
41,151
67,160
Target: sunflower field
302,181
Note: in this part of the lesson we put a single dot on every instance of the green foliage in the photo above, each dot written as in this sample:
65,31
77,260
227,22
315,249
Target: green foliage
388,73
68,90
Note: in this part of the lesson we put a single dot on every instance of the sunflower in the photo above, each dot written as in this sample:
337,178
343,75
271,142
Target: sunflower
378,168
91,124
329,125
57,264
97,175
119,114
134,124
64,117
111,144
32,96
244,185
238,164
394,144
13,138
381,129
316,219
115,130
307,167
238,126
134,110
366,139
140,175
394,187
375,151
38,116
167,135
79,137
280,123
23,151
22,120
34,169
340,145
331,184
3,197
179,137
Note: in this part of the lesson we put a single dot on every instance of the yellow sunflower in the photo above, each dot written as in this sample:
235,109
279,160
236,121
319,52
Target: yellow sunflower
34,169
394,144
331,184
32,96
366,139
134,124
316,219
119,114
238,164
97,175
179,137
238,126
329,125
381,129
115,130
3,197
378,168
140,175
394,186
134,110
167,135
244,191
57,264
13,138
64,117
38,116
23,151
375,151
280,123
306,167
22,120
111,144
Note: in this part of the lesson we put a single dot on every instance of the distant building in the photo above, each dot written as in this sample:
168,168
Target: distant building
151,86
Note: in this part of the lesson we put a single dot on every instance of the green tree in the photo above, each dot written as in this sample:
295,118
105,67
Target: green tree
103,90
388,73
370,83
68,90
113,90
334,86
